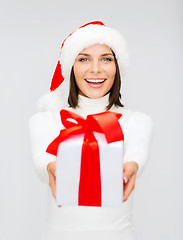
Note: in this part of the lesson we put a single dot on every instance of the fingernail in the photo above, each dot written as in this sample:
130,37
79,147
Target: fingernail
125,180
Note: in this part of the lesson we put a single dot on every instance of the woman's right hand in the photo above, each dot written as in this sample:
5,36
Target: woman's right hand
51,168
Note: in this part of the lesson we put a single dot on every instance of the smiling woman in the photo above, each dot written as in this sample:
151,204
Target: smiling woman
87,81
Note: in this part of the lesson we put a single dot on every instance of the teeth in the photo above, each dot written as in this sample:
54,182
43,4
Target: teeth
95,80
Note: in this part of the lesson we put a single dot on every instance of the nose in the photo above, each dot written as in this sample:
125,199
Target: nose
95,66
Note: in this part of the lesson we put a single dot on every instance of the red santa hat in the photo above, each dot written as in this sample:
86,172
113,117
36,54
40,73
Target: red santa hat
87,35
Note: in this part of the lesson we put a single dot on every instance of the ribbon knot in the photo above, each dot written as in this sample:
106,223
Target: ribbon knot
90,179
87,126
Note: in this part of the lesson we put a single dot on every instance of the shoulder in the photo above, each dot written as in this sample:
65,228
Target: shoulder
142,119
135,118
126,113
43,117
141,124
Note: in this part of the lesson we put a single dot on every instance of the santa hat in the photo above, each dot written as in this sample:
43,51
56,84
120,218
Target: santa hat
85,36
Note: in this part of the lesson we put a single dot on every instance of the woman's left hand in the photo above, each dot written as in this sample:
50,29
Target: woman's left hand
129,174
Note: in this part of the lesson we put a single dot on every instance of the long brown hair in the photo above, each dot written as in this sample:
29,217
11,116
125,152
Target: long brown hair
114,96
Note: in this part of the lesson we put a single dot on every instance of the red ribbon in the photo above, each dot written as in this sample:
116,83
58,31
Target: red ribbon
90,179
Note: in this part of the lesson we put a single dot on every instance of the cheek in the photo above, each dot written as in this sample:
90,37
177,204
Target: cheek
111,70
76,71
79,71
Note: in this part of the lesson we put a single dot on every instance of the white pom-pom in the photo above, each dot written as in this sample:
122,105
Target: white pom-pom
50,102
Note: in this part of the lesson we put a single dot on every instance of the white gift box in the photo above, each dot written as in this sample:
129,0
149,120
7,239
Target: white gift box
68,171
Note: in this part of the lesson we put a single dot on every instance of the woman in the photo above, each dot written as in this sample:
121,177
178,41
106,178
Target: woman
95,59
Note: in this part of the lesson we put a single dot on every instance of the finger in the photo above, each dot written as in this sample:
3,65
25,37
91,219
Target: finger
128,188
52,169
125,180
52,183
126,176
129,169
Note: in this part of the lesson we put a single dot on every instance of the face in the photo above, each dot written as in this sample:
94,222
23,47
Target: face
95,70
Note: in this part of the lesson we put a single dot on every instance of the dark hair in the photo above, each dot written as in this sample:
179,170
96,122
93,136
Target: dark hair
114,97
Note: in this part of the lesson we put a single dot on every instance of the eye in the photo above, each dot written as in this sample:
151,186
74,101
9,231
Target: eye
83,59
107,59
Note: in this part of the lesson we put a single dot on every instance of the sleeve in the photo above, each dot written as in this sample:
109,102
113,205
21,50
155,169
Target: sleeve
41,135
139,140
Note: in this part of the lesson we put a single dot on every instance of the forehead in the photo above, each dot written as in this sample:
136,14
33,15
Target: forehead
97,49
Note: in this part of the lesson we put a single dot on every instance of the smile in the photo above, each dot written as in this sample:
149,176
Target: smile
96,80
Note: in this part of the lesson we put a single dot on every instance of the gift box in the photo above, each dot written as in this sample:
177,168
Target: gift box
89,167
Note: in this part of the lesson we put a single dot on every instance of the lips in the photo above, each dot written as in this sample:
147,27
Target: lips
95,82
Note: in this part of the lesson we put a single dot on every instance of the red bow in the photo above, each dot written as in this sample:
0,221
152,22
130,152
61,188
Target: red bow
90,179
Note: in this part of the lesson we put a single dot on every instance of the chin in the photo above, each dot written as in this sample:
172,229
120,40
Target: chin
95,96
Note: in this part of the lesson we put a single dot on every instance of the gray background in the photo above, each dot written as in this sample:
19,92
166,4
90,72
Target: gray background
31,35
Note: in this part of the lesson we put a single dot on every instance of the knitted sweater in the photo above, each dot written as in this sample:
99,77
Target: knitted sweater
90,222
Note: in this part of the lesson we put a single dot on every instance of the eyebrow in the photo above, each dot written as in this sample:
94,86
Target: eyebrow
86,54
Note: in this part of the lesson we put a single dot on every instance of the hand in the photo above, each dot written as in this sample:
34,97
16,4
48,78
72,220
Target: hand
129,173
51,168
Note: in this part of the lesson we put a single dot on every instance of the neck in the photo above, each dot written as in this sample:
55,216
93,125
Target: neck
92,105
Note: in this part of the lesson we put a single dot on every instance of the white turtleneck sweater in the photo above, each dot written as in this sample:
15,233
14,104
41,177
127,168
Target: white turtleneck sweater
80,222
